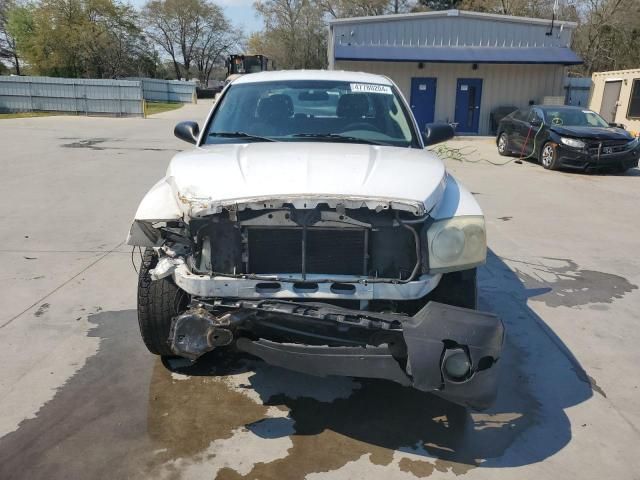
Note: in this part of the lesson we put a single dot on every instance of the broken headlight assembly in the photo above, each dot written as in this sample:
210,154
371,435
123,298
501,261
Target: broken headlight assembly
572,142
456,243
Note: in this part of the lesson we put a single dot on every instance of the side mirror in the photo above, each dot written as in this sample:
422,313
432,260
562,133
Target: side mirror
187,131
437,132
616,125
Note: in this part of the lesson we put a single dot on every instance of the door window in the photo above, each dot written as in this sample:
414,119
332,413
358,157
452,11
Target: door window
521,115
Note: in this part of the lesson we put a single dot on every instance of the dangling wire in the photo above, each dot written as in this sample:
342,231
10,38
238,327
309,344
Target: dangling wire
133,249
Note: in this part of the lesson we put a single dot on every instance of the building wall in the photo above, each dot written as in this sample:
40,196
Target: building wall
503,85
627,76
461,30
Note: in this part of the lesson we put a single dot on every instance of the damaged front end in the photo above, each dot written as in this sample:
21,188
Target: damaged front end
443,349
327,286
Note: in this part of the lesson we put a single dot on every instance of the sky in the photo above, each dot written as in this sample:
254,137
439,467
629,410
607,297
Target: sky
240,12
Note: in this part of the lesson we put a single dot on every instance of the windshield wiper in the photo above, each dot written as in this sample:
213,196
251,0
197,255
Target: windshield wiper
240,135
337,136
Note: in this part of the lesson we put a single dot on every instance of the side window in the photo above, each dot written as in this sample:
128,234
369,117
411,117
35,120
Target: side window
521,114
634,101
592,120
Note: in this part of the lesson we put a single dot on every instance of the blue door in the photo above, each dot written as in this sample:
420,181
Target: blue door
468,95
423,100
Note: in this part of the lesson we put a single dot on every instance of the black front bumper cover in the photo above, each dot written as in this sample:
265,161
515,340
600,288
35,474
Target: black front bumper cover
321,339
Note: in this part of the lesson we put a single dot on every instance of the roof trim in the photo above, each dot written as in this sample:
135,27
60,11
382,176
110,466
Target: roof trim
499,55
450,13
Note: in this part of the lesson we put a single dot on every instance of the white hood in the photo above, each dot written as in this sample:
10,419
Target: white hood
215,176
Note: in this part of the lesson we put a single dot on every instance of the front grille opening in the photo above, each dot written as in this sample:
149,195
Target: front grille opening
339,252
328,251
275,250
382,252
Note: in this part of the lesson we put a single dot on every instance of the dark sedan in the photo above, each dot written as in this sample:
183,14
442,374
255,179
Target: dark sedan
567,137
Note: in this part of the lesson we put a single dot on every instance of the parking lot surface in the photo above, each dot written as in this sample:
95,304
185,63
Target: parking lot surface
81,398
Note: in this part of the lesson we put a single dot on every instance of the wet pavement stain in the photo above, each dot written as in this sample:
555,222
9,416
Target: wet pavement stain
90,143
125,414
97,144
562,283
379,420
42,309
595,387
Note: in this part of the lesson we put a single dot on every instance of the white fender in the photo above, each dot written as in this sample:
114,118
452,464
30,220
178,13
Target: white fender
158,205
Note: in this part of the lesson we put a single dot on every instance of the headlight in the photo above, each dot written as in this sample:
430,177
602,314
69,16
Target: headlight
457,243
572,142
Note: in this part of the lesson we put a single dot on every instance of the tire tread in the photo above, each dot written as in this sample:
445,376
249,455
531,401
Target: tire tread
156,306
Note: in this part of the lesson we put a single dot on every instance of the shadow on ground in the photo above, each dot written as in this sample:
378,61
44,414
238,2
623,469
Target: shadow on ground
126,415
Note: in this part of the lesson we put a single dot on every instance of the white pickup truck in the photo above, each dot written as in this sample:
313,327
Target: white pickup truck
311,227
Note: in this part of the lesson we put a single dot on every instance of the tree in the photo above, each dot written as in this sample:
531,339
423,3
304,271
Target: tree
608,35
8,44
81,38
192,32
362,8
294,35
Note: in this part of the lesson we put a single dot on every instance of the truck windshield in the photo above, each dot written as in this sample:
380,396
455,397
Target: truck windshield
322,111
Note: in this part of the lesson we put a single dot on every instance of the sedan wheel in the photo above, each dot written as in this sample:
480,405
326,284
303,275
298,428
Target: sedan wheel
548,156
503,145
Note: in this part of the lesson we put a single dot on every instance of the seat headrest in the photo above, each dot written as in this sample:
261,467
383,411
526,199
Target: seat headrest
275,107
353,105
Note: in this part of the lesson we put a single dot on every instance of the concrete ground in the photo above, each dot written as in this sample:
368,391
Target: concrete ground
81,398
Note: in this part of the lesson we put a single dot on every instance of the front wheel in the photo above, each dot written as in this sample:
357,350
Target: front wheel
503,145
549,156
158,302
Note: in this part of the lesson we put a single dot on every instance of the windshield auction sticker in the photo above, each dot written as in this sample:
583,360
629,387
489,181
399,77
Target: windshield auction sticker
371,88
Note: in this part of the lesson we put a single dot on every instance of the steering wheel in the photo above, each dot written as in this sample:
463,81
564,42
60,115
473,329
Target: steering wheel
361,126
556,121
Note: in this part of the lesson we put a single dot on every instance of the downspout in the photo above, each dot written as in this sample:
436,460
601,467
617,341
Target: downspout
330,48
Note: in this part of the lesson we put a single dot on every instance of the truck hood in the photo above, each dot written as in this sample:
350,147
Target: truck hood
267,174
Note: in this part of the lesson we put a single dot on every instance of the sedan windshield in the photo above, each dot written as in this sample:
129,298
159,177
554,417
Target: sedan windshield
574,117
312,111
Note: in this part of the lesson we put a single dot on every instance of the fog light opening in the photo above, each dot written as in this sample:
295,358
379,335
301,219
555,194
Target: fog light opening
456,365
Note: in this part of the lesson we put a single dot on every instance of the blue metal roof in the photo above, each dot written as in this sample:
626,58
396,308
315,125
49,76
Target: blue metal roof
446,54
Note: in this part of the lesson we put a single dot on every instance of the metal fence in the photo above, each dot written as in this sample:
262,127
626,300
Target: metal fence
155,90
577,91
73,95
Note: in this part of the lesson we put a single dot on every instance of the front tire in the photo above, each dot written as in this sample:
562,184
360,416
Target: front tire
503,145
549,156
158,302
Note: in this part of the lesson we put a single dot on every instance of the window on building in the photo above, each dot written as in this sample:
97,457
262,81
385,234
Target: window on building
634,101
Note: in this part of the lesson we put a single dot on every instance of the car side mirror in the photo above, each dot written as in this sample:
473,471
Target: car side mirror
187,131
437,133
616,125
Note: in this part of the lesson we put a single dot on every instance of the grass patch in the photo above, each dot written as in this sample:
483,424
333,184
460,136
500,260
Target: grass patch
158,107
28,114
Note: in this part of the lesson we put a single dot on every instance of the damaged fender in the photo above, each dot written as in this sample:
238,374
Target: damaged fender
158,205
